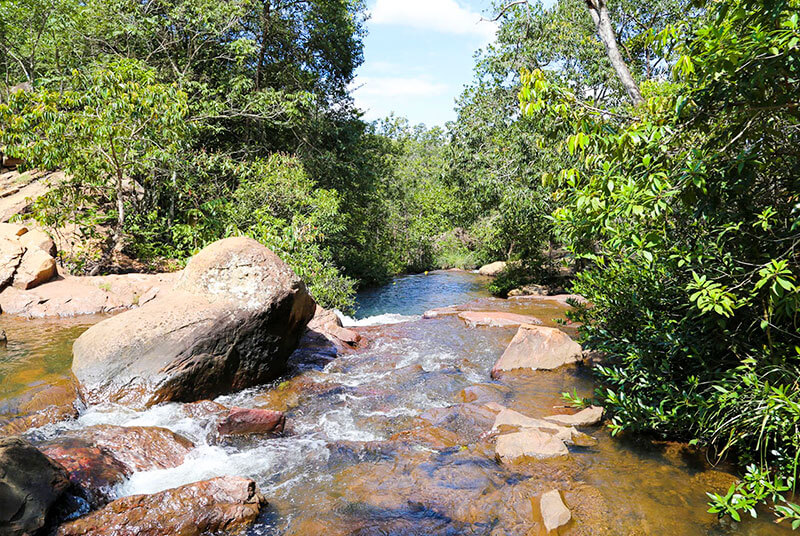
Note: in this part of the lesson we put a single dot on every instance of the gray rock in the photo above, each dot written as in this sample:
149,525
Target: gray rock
30,483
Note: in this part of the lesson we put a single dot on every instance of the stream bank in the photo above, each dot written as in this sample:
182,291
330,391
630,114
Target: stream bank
396,436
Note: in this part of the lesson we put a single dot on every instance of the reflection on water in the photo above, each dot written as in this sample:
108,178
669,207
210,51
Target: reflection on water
415,294
391,440
38,354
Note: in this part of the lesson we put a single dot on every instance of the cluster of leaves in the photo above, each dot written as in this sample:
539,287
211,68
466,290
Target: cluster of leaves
686,210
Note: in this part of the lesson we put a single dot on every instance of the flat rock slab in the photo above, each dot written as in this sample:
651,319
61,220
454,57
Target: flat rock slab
587,417
538,348
555,513
528,443
496,319
74,296
226,505
509,419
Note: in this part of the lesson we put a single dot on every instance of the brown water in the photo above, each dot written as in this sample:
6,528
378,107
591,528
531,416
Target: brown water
380,442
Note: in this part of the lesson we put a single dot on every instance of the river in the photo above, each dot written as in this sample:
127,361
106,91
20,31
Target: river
381,441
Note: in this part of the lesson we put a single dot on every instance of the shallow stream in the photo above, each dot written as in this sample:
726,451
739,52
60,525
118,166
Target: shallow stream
385,441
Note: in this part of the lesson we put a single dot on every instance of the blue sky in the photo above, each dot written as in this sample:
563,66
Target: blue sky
418,56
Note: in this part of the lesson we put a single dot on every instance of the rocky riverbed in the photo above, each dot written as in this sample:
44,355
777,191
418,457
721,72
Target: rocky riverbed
391,423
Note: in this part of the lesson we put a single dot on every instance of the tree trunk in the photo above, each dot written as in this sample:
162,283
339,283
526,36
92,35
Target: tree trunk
599,13
262,54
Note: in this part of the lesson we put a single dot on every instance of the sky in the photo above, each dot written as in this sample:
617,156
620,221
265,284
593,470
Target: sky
418,56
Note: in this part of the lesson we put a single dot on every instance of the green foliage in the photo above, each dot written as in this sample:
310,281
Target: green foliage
685,210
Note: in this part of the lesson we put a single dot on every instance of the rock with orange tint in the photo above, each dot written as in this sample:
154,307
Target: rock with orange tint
204,409
496,319
325,339
243,421
483,393
235,315
93,470
586,417
538,348
141,448
430,436
508,419
43,405
528,443
36,239
224,505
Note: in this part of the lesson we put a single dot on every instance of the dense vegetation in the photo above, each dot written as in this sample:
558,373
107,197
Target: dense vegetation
655,141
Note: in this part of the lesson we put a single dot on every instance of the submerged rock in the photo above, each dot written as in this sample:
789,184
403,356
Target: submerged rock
538,348
496,319
30,484
493,269
231,321
554,512
225,505
587,417
43,405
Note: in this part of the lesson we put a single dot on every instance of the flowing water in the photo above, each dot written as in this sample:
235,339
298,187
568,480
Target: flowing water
386,441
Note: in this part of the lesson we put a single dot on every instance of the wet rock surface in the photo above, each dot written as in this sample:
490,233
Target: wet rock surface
496,319
30,484
225,505
538,348
231,321
243,421
401,436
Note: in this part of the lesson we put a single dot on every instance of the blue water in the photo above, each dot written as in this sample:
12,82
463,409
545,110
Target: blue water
415,294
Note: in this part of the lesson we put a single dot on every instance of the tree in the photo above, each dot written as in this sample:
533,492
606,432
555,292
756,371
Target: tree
686,209
112,133
605,30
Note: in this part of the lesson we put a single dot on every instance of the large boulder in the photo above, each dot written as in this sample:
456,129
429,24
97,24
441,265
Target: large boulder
224,505
231,321
30,483
37,267
493,268
538,348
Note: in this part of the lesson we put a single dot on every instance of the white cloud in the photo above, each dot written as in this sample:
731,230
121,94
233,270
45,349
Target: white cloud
445,16
394,87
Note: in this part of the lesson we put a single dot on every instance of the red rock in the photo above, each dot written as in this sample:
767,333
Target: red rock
141,448
496,319
243,421
94,470
221,505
